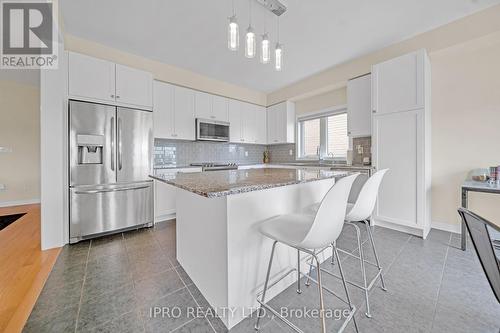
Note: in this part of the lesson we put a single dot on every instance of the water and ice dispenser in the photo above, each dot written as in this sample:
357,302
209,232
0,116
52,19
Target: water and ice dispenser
90,149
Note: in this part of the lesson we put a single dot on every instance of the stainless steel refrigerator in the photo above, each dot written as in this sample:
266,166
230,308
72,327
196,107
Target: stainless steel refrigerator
109,164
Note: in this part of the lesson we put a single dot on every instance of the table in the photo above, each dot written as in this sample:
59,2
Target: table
474,186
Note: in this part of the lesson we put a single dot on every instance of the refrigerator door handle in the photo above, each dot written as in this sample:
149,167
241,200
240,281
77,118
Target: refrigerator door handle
119,143
113,189
113,143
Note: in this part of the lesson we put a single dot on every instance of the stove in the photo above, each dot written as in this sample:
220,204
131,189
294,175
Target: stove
216,166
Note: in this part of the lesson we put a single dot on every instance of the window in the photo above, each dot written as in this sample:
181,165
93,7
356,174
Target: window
323,136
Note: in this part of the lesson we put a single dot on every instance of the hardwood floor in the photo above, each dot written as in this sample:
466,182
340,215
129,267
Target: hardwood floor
24,268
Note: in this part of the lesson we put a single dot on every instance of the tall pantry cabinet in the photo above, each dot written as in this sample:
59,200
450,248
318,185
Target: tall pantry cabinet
401,140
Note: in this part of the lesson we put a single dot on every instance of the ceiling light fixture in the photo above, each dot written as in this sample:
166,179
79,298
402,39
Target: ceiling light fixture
233,39
250,43
265,50
233,33
278,52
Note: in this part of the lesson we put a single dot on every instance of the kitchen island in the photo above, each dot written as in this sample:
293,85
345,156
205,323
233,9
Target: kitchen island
218,241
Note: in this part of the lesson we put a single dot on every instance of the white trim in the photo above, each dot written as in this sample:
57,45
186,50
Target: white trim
170,215
453,228
19,202
331,110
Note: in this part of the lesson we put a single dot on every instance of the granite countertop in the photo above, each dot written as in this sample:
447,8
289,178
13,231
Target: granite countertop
328,165
215,184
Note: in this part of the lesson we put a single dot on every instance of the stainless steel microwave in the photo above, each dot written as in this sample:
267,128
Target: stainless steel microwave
212,130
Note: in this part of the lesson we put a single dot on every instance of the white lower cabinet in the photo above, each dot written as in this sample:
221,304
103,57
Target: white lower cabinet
164,201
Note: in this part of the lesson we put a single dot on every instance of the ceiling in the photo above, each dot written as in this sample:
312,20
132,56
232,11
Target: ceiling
317,34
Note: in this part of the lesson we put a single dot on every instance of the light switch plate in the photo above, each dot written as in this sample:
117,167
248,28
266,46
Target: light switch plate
246,154
2,187
290,152
5,150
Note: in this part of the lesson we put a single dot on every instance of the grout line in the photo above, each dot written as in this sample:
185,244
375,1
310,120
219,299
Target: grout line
187,322
83,285
441,282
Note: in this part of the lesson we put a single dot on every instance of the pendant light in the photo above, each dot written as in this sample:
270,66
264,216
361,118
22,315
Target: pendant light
250,43
233,33
278,52
265,50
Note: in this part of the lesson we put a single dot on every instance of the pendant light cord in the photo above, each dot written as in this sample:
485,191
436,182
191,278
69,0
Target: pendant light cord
232,2
249,13
278,29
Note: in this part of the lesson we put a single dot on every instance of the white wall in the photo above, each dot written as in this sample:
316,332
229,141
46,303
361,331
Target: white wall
53,138
19,133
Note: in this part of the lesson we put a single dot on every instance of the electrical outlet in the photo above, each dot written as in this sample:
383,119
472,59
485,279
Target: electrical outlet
290,152
246,154
2,187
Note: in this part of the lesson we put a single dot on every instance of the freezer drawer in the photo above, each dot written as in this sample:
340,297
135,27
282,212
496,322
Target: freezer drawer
105,209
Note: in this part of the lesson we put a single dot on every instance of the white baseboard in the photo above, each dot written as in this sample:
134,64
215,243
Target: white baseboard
453,228
19,202
170,215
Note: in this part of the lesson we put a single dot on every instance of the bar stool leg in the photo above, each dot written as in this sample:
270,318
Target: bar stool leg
363,269
259,314
332,261
321,302
344,283
299,291
308,282
369,230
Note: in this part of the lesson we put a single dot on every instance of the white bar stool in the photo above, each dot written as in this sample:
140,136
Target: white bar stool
309,233
361,211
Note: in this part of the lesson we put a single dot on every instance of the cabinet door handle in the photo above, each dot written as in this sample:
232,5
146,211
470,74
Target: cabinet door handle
374,111
213,117
112,96
117,96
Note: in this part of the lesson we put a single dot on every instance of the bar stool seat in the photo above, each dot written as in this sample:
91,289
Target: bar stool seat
288,228
309,233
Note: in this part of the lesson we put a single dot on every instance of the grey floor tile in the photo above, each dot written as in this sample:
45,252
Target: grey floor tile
57,298
128,323
157,286
183,275
60,321
197,325
176,308
106,246
449,320
99,310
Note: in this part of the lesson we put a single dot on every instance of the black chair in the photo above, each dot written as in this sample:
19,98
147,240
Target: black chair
479,232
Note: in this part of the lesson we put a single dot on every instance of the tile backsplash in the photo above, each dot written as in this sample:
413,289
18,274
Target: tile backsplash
281,153
175,152
365,143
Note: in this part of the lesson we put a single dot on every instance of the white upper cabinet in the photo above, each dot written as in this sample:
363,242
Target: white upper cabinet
99,80
91,78
213,107
359,114
247,123
203,105
133,87
173,112
235,121
281,123
220,108
261,125
163,110
398,84
184,113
